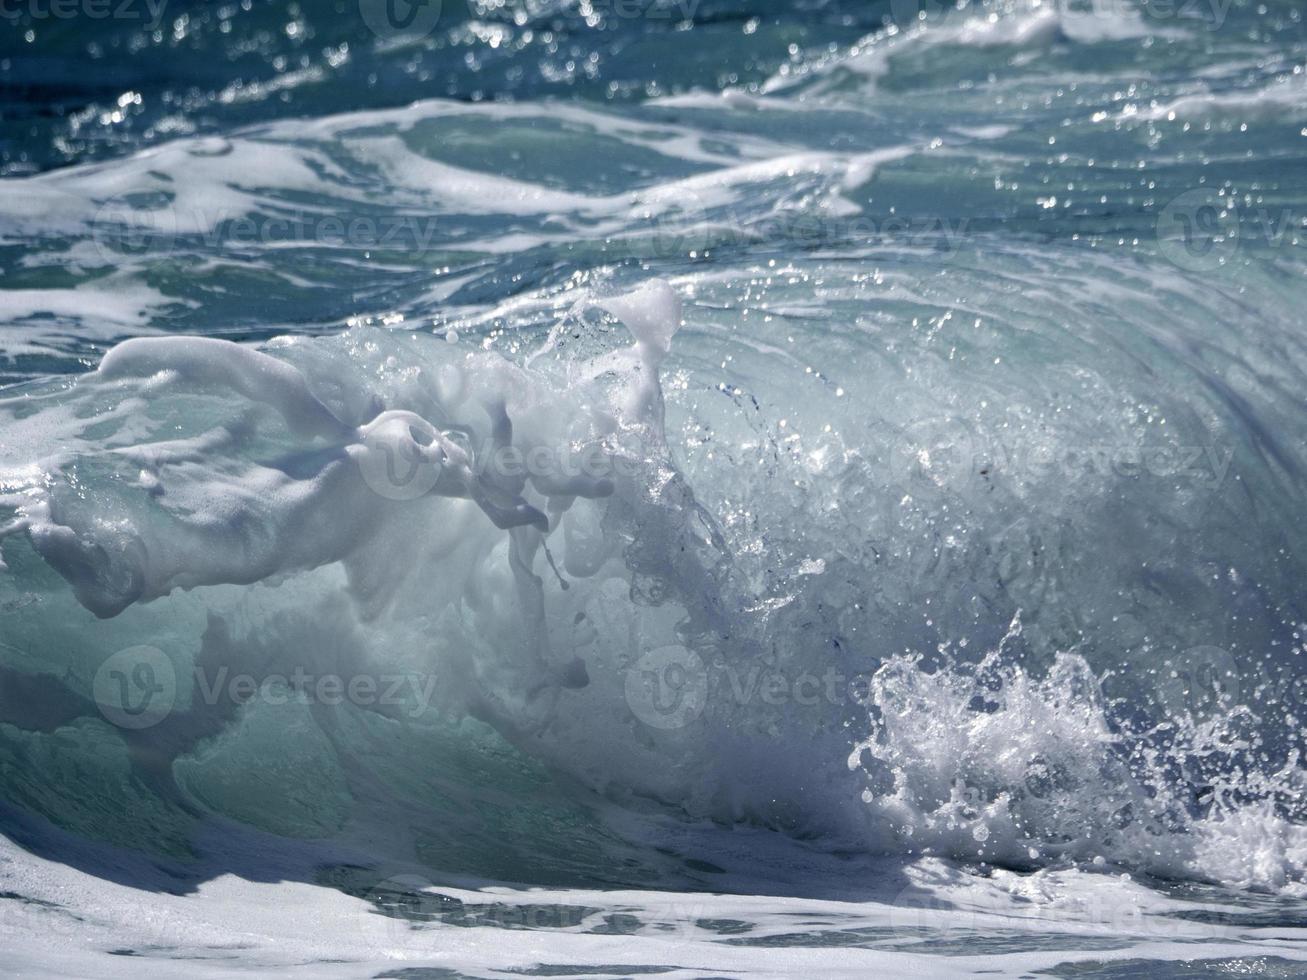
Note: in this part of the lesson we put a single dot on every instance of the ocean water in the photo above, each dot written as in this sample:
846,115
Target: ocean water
653,487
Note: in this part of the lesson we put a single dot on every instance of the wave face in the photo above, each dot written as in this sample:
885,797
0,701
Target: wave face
876,426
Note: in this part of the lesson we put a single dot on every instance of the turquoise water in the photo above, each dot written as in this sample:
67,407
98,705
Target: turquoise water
707,488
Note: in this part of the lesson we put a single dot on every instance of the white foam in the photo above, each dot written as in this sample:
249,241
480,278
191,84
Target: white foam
64,922
991,763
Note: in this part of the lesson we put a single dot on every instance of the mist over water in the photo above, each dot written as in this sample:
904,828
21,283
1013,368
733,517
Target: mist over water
734,487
